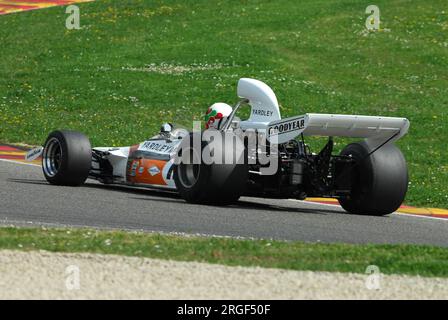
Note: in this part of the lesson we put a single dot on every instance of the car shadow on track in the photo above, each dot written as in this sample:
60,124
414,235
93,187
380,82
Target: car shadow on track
169,196
133,190
247,205
28,181
109,187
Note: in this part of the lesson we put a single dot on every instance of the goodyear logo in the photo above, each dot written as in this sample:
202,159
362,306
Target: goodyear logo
287,126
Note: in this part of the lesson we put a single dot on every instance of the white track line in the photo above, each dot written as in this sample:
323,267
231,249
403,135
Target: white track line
396,213
419,216
4,223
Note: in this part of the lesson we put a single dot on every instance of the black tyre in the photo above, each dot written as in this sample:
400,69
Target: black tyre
379,181
214,184
67,158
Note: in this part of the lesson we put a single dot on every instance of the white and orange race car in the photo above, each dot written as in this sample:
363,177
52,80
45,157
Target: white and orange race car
261,156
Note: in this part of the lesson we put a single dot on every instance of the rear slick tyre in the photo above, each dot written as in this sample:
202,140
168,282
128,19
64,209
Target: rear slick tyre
379,181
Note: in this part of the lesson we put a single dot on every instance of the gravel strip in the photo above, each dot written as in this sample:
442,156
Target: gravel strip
44,275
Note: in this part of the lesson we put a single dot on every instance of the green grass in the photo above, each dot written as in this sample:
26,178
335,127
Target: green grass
314,53
391,259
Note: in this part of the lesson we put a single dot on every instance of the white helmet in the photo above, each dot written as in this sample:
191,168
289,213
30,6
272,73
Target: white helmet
216,115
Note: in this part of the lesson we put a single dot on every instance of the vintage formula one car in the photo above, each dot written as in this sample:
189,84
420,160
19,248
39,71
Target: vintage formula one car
367,177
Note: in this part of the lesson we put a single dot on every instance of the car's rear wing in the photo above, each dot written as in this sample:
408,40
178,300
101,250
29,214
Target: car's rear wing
375,130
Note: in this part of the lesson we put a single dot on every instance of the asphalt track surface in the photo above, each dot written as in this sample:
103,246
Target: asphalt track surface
27,199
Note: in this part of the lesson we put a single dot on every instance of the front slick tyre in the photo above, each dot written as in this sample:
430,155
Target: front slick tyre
379,181
66,158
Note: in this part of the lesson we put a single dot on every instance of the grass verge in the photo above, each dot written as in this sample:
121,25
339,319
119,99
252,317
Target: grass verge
391,259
